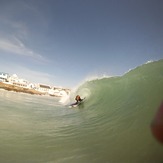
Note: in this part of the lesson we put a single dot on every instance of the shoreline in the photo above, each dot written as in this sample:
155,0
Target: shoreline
10,87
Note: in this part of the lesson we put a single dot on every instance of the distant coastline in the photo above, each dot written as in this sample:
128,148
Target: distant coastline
13,83
10,87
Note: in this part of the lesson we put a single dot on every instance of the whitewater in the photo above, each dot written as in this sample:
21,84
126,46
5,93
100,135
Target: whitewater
111,126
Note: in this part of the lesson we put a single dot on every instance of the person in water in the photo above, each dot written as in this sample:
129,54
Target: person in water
78,99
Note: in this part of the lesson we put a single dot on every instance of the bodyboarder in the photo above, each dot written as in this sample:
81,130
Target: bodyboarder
78,99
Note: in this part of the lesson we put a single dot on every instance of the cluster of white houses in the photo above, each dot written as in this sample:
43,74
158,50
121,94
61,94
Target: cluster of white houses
14,80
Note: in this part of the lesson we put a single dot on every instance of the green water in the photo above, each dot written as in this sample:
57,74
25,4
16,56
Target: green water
112,126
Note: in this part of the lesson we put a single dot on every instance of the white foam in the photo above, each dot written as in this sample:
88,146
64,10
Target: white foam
150,61
65,99
97,77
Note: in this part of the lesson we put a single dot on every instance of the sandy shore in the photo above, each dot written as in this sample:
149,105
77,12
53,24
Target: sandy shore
10,87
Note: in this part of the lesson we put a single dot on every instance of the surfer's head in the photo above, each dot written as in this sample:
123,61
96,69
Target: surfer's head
77,97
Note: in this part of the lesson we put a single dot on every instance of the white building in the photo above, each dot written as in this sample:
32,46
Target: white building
3,76
43,88
18,82
13,78
32,86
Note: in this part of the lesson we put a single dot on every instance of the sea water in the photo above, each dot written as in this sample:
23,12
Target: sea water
112,126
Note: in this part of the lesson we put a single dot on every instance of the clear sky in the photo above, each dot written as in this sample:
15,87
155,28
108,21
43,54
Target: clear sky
63,42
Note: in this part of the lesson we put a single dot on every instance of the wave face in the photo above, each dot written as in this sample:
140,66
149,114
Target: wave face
121,110
112,125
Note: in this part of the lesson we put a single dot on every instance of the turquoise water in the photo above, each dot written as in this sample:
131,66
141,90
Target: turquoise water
112,126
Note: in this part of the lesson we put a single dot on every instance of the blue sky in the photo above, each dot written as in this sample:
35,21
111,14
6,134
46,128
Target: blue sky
63,42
